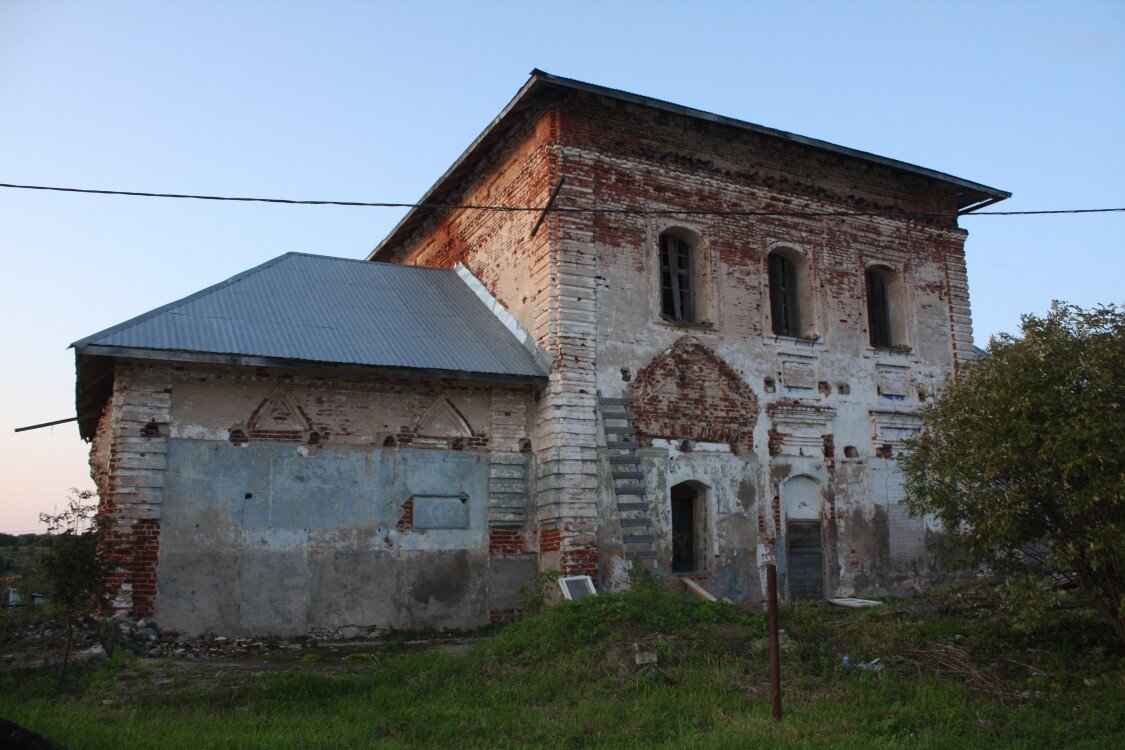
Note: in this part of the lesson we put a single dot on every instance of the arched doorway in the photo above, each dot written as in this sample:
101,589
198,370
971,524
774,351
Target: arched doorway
800,499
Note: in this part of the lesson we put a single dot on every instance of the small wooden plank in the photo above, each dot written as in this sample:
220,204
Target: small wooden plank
629,490
634,522
698,590
604,401
632,507
628,475
854,603
624,460
621,445
547,208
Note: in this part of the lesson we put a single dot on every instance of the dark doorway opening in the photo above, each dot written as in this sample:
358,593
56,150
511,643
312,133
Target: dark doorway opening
806,561
684,501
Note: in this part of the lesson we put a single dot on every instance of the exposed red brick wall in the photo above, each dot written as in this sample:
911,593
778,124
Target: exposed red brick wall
127,464
132,549
506,542
725,154
689,392
580,557
645,159
406,519
550,540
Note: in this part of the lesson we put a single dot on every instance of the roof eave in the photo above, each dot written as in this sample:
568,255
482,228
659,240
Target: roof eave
217,358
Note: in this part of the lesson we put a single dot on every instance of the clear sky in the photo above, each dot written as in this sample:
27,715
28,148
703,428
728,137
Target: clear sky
372,101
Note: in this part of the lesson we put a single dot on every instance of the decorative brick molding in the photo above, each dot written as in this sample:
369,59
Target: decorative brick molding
279,418
127,464
689,392
800,429
509,461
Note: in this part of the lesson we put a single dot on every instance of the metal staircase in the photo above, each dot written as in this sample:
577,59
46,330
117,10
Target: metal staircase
628,480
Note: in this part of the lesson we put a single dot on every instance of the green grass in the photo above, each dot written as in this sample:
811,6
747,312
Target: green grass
566,679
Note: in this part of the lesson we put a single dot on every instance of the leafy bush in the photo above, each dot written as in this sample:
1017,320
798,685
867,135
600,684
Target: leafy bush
1022,458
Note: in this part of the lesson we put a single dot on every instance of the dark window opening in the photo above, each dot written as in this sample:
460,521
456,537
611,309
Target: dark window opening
878,311
806,561
677,280
785,311
684,499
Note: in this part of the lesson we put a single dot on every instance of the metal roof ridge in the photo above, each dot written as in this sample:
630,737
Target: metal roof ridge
363,261
541,359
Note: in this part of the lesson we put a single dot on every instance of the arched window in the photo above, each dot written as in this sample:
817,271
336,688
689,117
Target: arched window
785,305
677,279
886,319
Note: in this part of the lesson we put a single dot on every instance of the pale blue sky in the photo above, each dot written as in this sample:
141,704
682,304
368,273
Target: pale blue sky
372,101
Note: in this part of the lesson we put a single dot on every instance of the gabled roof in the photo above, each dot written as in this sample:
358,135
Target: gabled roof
318,309
970,195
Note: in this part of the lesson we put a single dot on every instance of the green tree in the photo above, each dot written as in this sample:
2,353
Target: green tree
1022,458
73,564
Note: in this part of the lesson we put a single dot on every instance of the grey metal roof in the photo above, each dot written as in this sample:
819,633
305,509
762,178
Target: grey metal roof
315,308
969,195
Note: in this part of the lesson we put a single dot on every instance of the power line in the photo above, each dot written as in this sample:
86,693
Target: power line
555,209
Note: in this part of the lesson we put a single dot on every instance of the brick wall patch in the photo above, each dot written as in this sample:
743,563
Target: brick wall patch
687,391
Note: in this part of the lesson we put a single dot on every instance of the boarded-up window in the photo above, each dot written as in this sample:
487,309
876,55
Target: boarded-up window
906,534
785,310
441,512
677,280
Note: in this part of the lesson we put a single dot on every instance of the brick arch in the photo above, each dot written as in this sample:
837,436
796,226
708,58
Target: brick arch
688,391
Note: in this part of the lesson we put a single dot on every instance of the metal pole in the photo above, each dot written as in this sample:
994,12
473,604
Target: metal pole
771,624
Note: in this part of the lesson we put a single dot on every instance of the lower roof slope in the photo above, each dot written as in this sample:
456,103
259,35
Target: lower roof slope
319,309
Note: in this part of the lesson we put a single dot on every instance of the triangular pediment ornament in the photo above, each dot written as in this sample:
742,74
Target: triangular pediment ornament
444,420
279,412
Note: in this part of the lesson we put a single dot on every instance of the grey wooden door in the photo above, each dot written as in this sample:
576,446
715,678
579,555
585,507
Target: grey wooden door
805,561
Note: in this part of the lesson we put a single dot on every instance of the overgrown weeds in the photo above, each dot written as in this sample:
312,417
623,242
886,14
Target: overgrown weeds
949,670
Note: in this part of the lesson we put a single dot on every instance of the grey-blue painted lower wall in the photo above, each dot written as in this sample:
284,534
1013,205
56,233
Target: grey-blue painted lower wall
260,539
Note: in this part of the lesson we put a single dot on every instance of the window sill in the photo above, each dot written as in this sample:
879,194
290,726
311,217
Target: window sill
792,344
891,351
680,324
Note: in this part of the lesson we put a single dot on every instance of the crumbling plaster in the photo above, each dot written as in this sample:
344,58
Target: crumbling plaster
818,398
301,527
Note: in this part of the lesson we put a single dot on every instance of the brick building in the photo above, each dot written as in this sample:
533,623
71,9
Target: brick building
689,363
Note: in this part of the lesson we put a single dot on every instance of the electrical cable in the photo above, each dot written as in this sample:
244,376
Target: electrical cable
557,209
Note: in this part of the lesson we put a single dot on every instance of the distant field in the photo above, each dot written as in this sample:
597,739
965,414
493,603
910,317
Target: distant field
19,563
953,672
